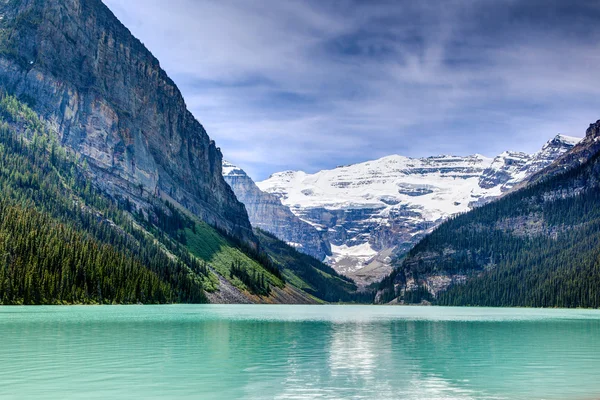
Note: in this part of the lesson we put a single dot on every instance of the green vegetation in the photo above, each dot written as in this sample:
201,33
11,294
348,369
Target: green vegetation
44,261
62,241
311,275
217,250
537,247
205,242
254,281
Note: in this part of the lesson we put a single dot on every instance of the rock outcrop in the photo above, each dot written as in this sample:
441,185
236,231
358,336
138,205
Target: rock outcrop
267,213
108,100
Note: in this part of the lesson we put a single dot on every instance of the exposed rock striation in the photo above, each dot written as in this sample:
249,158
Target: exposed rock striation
266,212
108,99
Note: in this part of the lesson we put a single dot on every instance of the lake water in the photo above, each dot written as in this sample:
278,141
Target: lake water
298,352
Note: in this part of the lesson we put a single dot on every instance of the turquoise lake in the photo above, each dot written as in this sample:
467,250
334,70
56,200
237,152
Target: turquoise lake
297,352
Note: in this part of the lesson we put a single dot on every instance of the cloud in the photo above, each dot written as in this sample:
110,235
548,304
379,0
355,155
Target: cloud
311,85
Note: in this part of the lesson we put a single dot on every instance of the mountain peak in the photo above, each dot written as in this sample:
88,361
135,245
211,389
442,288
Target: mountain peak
593,131
562,140
230,169
268,213
559,143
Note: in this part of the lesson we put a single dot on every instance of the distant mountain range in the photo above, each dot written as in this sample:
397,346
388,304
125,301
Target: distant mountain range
359,218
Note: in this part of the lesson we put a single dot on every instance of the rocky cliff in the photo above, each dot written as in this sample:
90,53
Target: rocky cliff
108,99
267,213
379,208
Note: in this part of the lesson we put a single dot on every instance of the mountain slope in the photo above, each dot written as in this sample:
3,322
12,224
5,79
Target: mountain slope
538,246
379,208
266,212
298,258
311,275
63,241
580,154
138,176
107,98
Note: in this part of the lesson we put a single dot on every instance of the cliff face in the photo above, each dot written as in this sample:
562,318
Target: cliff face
107,98
267,213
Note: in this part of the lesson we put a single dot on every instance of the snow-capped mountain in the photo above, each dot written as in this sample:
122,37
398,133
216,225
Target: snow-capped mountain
266,212
375,209
511,168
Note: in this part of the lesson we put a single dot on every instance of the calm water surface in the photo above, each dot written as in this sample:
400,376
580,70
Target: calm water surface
298,352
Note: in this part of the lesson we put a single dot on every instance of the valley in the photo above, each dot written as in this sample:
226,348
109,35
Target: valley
363,216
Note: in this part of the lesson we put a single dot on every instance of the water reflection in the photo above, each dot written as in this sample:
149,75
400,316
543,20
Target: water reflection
297,353
352,352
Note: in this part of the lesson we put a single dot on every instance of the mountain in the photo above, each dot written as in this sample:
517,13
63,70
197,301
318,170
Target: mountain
112,192
374,210
586,148
537,246
299,257
267,213
64,241
106,97
510,169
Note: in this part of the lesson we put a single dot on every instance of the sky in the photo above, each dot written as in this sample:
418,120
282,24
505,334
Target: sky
310,85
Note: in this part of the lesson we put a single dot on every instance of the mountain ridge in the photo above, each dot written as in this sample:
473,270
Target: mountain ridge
374,209
266,212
